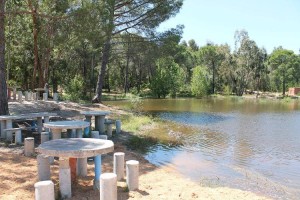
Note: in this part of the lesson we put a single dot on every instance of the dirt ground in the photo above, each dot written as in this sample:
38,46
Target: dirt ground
19,173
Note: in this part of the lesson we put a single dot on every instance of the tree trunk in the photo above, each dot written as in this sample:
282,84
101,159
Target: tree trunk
126,75
101,75
3,87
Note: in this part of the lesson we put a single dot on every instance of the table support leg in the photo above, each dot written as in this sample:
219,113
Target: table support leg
79,133
87,129
97,123
56,134
3,126
97,160
65,178
39,125
73,163
82,167
73,134
46,120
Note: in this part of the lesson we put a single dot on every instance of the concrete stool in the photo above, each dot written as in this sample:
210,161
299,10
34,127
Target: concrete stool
44,190
30,96
26,95
95,134
118,126
108,186
132,174
29,146
45,96
34,96
43,167
20,96
103,137
109,124
44,137
9,135
55,97
119,165
65,178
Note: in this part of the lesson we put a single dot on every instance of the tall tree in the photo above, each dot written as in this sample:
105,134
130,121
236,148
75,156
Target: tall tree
3,86
131,16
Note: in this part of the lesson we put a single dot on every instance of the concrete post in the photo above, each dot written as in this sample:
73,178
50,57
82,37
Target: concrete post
56,134
45,96
118,126
15,94
65,178
3,126
97,123
108,186
20,96
79,133
55,97
73,133
119,165
18,136
8,124
39,125
103,137
44,137
9,135
34,96
81,167
109,130
46,120
29,146
43,167
44,190
30,96
26,95
97,161
95,134
132,174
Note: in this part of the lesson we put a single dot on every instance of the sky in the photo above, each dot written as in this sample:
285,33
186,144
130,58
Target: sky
270,23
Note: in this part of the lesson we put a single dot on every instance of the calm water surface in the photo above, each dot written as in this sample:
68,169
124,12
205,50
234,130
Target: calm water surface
242,143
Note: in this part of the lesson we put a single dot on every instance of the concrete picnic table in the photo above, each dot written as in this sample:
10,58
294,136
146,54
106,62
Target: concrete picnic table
75,148
39,90
6,120
99,119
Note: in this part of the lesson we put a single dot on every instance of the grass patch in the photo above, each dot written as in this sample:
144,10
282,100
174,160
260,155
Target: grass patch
133,123
140,143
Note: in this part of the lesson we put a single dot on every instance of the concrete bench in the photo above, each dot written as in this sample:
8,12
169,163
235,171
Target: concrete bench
16,131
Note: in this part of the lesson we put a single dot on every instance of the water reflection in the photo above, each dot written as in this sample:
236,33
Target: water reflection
248,144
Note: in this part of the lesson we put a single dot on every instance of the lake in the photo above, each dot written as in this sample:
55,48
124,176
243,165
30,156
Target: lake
250,144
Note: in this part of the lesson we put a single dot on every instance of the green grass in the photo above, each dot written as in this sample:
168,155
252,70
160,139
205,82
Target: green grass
133,123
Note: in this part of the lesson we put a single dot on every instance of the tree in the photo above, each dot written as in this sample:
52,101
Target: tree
3,87
131,16
283,63
200,81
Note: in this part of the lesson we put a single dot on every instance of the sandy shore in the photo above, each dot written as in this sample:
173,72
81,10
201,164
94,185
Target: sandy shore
19,173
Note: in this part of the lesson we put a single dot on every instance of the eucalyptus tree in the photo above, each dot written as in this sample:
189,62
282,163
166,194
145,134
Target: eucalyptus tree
283,64
3,87
140,16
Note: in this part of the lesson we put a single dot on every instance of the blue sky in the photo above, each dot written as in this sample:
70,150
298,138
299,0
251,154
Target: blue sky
270,23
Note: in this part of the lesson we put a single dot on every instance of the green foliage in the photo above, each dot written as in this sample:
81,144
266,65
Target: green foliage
200,82
167,79
74,90
227,90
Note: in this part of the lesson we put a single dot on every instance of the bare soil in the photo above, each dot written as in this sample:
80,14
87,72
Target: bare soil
19,173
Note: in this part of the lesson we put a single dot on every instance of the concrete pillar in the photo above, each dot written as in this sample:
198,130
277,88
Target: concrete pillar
73,133
55,97
101,124
65,178
8,124
18,136
44,190
119,165
108,186
43,167
118,126
26,95
103,137
87,129
56,134
97,161
15,94
34,96
132,174
29,146
81,167
45,96
46,120
30,96
95,134
39,125
9,135
20,96
97,123
44,137
109,130
3,126
79,133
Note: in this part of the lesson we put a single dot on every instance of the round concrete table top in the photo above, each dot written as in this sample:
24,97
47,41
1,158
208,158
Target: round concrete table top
28,115
66,124
39,89
95,113
76,147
